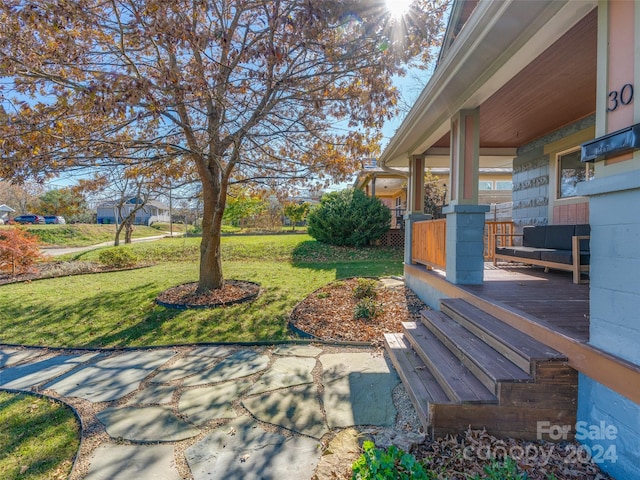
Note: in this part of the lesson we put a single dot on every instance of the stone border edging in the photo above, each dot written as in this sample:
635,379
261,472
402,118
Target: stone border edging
257,343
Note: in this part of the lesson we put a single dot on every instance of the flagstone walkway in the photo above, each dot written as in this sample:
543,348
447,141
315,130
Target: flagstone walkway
214,412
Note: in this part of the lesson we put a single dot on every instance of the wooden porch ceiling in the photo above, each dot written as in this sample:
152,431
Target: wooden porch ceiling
554,90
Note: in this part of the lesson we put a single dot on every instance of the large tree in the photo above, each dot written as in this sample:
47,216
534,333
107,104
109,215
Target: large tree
68,202
240,90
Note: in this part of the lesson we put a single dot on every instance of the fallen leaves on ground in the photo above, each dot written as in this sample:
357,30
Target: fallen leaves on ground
187,295
463,456
328,313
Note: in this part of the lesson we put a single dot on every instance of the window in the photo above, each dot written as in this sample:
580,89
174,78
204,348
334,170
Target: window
485,185
571,171
504,185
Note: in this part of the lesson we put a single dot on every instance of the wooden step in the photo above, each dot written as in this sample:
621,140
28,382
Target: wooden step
458,382
515,345
486,363
421,386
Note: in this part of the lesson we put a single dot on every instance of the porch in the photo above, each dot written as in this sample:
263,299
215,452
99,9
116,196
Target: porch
502,354
549,299
458,363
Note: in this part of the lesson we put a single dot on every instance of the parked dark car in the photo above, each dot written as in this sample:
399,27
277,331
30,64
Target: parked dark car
57,219
28,219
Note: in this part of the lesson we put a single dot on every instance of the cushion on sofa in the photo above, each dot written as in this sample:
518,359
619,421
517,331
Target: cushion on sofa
583,229
564,256
533,236
521,252
559,236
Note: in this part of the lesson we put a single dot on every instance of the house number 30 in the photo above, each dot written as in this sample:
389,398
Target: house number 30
622,97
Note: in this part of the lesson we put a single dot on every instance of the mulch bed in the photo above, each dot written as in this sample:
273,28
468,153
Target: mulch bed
328,313
187,295
56,269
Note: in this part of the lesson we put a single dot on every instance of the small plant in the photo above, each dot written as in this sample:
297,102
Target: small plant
366,288
18,251
367,309
118,257
506,470
392,463
323,295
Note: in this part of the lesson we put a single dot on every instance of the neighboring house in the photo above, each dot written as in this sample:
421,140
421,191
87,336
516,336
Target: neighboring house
152,212
4,212
390,185
550,84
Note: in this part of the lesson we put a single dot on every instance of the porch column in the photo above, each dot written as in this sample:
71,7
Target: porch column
373,185
614,290
415,203
465,218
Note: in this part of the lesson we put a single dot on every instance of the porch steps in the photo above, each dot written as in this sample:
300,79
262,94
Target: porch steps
521,349
457,381
487,364
423,389
463,367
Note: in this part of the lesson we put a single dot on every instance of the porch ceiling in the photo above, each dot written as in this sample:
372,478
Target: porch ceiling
388,186
555,89
530,68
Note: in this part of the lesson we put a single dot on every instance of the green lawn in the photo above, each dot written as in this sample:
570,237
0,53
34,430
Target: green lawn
118,309
38,438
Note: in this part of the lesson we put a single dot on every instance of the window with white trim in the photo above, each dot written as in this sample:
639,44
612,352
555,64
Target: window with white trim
504,185
571,171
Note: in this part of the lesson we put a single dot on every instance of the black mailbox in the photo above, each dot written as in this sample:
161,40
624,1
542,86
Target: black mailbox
612,144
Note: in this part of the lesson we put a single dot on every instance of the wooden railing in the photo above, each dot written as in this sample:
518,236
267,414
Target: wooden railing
495,231
428,245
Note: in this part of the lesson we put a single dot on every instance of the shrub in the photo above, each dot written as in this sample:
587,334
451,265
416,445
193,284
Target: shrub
117,257
367,309
366,288
392,463
348,218
18,250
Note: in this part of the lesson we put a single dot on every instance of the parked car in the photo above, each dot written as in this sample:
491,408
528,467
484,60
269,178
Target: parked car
28,219
57,219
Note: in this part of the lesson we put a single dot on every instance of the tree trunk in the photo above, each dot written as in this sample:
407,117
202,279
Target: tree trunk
128,231
211,276
116,241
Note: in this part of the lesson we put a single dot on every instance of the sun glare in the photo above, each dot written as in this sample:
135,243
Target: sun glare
398,8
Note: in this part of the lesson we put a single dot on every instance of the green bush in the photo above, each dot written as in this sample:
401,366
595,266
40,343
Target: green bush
117,257
366,288
367,309
348,218
392,464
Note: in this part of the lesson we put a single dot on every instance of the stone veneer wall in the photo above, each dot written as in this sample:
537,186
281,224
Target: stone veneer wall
531,170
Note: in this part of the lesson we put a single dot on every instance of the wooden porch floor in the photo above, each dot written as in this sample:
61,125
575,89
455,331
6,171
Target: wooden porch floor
551,298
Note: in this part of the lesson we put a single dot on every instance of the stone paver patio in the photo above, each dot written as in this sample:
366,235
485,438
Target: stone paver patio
210,412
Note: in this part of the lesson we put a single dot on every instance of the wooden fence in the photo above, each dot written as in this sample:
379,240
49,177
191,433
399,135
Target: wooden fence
429,243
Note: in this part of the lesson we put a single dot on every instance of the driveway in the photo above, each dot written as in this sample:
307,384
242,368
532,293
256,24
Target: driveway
57,251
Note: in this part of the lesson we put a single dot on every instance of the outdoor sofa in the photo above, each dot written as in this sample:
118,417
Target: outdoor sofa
562,247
